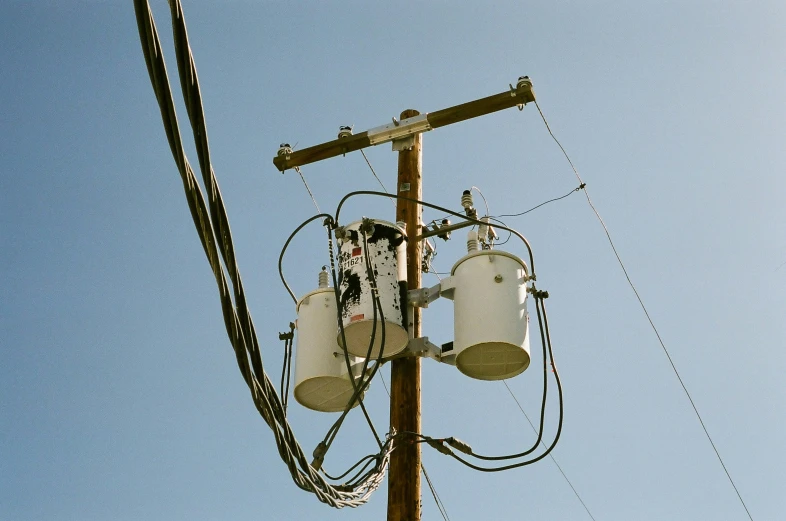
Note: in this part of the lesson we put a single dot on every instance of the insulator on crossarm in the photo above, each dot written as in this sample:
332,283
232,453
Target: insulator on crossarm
472,241
323,277
466,200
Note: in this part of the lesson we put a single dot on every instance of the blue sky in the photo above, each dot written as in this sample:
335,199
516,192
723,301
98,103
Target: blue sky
120,397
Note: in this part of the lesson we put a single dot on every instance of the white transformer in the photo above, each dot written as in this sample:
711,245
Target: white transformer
322,382
387,255
491,325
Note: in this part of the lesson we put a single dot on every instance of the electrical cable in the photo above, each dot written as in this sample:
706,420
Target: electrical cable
353,467
286,366
211,222
375,175
441,209
437,499
545,337
644,308
357,388
580,187
503,224
482,197
550,455
328,221
539,439
285,396
297,169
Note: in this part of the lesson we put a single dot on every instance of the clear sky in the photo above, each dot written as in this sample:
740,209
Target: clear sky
120,396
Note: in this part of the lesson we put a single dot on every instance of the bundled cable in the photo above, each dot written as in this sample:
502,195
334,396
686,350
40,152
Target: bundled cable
214,233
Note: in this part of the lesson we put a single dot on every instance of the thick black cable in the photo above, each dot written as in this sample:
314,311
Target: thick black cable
284,374
285,396
350,469
646,313
328,221
546,338
211,222
542,418
358,389
377,309
532,262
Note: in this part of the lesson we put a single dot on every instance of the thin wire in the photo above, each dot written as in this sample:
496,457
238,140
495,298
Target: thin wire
437,499
644,308
541,204
297,169
550,455
482,197
376,176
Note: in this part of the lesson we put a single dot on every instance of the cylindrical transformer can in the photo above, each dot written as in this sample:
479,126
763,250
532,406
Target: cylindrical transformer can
491,329
322,382
387,255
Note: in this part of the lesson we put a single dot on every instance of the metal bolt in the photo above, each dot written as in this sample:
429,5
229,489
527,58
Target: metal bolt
498,278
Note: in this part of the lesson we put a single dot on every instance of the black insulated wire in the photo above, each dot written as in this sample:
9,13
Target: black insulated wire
546,337
441,209
212,225
542,204
364,382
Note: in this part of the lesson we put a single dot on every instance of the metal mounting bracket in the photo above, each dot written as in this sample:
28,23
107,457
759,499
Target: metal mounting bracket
422,297
423,348
401,133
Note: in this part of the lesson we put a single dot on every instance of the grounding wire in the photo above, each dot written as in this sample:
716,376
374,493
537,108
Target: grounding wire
437,499
550,455
644,308
211,223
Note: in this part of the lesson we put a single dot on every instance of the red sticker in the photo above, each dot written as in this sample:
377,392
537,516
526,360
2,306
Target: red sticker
355,318
356,252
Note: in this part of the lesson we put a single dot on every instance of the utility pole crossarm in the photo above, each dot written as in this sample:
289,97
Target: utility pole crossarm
519,96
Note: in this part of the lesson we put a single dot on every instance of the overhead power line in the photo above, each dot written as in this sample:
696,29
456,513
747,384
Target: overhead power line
644,308
297,169
550,455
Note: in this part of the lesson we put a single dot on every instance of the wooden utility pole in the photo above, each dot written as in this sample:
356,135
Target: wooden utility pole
407,137
404,477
